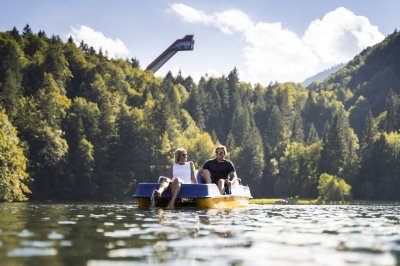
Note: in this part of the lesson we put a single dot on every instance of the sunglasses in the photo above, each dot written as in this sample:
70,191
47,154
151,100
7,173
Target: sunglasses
219,152
184,154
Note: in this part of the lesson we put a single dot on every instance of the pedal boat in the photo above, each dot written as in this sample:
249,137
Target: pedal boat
202,196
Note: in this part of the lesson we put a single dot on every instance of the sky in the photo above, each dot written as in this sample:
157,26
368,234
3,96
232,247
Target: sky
266,40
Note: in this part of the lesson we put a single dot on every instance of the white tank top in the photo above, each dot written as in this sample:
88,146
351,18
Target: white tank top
182,171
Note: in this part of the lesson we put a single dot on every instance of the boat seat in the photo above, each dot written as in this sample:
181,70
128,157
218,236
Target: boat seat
200,180
199,177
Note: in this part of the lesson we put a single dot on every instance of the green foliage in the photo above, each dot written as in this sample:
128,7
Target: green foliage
368,135
297,175
358,113
388,180
249,158
370,74
93,127
392,122
312,135
331,187
13,175
339,146
52,102
83,161
12,61
199,145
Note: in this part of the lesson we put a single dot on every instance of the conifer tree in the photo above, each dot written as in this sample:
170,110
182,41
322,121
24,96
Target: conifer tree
214,110
56,64
312,135
13,175
339,145
392,122
275,128
195,108
332,145
297,129
52,101
363,187
241,123
249,159
15,34
368,135
134,62
11,65
26,30
70,39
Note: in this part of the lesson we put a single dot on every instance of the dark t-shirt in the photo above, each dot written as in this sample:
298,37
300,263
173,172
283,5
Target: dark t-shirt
219,170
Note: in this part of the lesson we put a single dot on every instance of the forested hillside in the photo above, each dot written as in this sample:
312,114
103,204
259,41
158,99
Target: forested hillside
77,125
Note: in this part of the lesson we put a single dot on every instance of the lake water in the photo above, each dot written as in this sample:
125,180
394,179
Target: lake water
122,234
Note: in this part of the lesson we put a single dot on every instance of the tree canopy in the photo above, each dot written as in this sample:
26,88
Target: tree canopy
77,125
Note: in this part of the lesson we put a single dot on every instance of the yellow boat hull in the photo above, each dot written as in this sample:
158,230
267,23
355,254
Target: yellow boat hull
221,202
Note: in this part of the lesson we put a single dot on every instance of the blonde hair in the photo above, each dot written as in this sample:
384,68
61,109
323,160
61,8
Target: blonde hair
178,153
222,147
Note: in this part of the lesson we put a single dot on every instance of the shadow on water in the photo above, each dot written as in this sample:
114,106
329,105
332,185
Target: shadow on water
122,234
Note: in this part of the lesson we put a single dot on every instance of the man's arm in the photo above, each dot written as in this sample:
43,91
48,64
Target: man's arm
231,179
232,176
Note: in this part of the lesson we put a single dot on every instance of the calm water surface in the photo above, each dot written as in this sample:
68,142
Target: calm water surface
122,234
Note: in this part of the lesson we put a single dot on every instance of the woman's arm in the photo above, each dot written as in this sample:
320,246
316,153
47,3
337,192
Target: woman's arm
192,170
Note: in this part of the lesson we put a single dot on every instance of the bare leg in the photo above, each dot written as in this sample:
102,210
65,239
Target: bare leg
176,187
206,176
221,186
161,189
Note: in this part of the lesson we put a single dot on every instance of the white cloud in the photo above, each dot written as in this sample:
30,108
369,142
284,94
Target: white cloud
228,21
97,40
276,54
190,14
232,20
340,35
273,53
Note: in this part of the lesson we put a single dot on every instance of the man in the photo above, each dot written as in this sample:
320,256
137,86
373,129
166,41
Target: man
219,170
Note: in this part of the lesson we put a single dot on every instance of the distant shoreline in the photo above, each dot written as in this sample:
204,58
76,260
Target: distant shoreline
318,202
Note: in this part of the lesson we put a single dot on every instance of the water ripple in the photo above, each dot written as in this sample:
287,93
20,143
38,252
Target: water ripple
122,234
32,252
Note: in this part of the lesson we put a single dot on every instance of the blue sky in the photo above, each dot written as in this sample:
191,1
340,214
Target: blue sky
285,40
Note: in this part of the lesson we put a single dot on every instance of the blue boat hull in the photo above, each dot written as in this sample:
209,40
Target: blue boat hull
197,195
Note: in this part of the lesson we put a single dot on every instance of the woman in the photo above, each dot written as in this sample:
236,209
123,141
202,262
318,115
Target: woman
181,172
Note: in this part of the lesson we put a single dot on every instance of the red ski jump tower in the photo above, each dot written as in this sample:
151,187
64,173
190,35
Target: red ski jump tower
184,44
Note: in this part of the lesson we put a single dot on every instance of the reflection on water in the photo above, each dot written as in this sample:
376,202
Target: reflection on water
122,234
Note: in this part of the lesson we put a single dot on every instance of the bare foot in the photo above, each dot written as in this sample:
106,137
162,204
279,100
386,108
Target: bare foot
157,193
169,207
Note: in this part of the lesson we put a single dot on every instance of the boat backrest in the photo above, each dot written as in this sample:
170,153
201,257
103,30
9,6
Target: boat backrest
144,190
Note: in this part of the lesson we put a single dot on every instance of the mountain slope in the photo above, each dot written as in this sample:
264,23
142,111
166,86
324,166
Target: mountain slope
322,75
371,74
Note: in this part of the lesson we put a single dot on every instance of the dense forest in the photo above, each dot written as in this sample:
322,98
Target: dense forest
77,125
